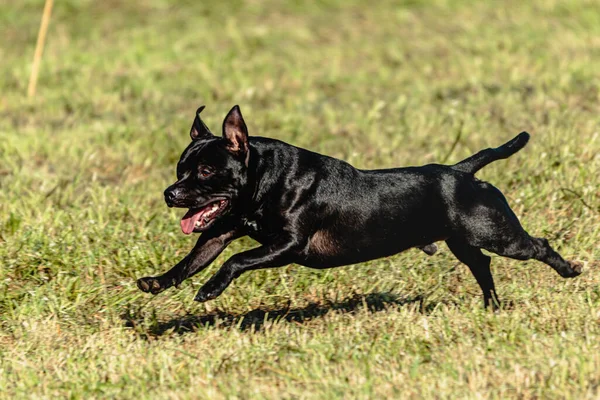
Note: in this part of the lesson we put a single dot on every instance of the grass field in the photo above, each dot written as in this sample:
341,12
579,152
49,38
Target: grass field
379,84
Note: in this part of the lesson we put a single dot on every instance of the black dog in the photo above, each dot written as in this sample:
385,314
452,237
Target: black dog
320,212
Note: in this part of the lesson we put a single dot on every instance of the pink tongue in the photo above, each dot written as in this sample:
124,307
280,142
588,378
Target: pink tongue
189,220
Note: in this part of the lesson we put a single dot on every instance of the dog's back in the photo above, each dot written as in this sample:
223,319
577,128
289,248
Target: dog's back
351,215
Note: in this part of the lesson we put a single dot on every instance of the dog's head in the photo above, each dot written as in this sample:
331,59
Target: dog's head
211,173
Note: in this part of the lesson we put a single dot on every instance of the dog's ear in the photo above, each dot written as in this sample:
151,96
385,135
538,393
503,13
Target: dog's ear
199,130
235,132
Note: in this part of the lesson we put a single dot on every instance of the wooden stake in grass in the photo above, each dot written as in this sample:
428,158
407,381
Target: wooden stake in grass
39,48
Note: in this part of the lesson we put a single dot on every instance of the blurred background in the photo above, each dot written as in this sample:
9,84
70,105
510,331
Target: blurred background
84,162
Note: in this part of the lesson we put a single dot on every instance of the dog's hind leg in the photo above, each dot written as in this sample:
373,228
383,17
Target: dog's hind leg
538,249
493,226
479,264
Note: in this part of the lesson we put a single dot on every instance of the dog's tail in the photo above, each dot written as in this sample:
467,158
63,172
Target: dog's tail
477,161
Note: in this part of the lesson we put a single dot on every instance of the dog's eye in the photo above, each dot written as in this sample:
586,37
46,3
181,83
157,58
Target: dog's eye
205,172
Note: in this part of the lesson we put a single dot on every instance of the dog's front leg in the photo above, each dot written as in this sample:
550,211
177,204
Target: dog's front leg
268,256
209,245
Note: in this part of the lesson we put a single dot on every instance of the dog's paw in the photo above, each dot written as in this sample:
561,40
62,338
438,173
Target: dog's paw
208,292
203,296
149,284
576,269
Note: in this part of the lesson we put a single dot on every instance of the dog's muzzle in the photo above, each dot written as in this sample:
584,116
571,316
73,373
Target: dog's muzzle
171,195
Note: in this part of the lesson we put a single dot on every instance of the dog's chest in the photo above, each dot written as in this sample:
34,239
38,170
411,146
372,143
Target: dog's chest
260,231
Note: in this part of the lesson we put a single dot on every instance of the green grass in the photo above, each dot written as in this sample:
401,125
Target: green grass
379,84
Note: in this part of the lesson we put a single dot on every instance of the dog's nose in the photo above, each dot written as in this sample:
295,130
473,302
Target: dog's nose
170,196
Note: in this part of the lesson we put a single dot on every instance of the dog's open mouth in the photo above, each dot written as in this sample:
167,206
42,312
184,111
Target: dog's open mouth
198,219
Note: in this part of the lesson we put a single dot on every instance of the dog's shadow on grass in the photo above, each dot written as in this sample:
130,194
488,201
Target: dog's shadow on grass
255,320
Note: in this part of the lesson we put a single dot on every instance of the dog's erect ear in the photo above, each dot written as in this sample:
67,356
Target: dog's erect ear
235,132
199,130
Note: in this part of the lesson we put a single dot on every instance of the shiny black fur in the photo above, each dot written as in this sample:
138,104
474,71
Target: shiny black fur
321,212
